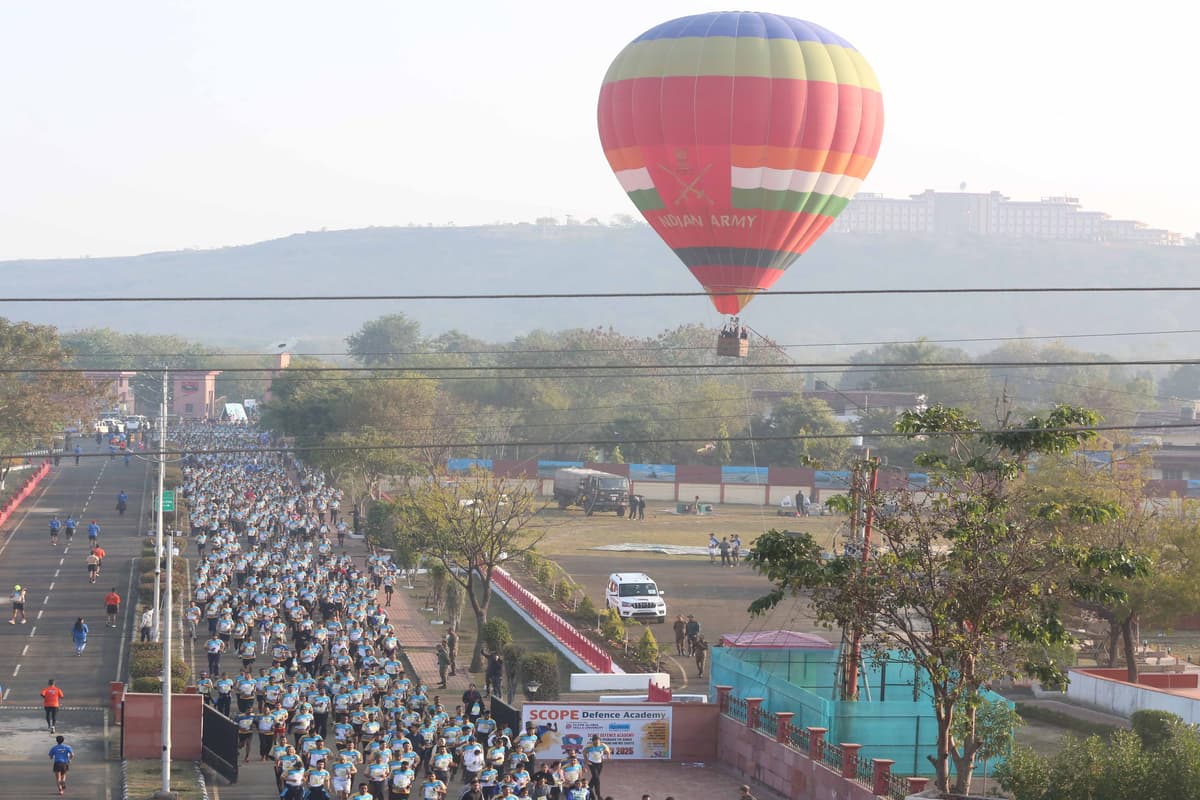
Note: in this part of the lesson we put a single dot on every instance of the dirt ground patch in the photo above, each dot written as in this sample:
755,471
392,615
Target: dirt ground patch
717,596
569,531
144,778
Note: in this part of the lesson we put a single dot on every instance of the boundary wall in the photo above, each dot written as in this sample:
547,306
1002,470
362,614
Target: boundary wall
798,762
24,490
1105,690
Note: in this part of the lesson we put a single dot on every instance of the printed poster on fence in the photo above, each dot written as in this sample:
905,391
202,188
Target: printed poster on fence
631,731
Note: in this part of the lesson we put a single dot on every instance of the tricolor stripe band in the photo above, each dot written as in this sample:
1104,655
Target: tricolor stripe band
743,57
630,159
792,180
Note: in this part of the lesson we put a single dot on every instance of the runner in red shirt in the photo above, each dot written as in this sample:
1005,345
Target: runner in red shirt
112,604
51,698
100,554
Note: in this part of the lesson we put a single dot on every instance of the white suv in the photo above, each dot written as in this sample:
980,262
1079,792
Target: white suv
635,596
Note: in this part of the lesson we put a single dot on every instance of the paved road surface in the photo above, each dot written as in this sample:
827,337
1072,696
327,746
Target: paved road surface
55,579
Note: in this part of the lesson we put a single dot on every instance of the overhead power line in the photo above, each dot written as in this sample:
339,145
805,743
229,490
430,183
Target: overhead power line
726,368
643,440
299,298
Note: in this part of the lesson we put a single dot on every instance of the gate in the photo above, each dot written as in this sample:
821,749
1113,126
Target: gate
505,715
220,743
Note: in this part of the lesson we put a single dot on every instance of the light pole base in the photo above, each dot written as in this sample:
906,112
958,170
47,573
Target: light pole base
161,795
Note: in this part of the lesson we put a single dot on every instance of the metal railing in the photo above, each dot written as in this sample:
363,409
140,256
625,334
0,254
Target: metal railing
831,756
587,650
799,739
736,709
897,787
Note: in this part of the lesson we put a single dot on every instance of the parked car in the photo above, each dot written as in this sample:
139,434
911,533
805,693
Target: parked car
635,596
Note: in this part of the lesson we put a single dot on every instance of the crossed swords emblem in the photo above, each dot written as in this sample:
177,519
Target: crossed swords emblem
688,187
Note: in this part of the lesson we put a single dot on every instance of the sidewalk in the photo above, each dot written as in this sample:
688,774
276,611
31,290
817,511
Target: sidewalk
418,638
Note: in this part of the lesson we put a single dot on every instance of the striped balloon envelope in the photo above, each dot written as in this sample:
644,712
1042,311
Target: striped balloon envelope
740,136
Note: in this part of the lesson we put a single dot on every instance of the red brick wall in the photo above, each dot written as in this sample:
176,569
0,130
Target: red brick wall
780,767
692,727
143,726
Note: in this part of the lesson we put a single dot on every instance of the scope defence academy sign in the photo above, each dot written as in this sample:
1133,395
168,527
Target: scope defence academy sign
638,731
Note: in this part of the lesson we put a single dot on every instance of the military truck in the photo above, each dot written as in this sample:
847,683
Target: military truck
591,490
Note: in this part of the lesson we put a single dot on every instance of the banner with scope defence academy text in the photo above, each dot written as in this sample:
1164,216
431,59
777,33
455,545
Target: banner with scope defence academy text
631,731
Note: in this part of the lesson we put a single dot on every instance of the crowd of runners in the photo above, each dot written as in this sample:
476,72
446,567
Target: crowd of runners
301,655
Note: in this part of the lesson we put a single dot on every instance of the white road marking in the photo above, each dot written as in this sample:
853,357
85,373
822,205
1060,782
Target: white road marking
56,572
16,670
51,589
39,616
24,650
32,631
46,600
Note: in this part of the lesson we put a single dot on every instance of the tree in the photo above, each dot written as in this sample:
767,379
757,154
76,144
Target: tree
1169,542
944,385
789,421
1183,382
470,525
37,406
964,575
385,342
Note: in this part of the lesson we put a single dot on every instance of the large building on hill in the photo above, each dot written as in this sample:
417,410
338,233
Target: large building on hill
994,215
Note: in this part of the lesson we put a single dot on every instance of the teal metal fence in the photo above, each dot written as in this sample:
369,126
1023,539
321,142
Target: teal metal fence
893,717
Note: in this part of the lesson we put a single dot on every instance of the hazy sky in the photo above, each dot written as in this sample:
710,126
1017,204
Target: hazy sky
130,127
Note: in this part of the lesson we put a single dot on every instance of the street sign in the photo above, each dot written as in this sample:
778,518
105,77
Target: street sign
168,500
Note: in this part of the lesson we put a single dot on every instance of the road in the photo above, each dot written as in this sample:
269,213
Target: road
58,592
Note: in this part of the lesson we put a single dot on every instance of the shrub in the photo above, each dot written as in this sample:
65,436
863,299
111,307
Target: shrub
586,612
145,662
540,668
496,635
647,648
565,590
545,573
531,561
1155,728
154,685
612,627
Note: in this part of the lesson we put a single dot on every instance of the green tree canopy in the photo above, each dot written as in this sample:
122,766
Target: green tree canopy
963,575
386,342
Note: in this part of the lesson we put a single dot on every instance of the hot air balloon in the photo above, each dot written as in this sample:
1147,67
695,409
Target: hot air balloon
740,136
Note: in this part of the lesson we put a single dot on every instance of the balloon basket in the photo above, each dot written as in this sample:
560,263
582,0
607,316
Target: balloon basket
733,346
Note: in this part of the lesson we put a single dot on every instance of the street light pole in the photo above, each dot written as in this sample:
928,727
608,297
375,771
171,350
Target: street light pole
160,557
158,527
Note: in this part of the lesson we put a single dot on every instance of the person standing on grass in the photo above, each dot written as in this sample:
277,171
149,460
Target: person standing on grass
51,699
61,756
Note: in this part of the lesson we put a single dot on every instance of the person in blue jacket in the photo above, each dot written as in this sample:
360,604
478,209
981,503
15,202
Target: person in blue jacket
79,635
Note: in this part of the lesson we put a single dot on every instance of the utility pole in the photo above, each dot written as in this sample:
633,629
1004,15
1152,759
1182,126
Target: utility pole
160,556
863,497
